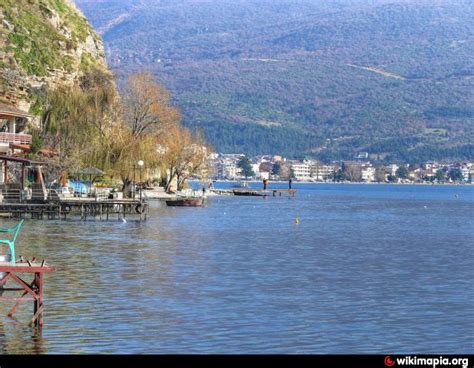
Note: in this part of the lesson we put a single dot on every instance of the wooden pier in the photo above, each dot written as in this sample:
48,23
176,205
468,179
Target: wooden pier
30,291
79,207
104,209
264,192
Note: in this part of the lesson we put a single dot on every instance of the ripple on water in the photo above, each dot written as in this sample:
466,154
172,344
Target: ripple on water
368,269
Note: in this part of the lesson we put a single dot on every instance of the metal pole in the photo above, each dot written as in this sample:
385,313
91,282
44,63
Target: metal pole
140,184
133,187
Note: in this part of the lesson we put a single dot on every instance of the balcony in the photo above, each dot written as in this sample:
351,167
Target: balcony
7,138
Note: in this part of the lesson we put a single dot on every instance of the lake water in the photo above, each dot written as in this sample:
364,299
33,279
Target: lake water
368,269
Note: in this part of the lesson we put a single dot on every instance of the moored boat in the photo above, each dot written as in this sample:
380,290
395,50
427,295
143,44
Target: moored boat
186,202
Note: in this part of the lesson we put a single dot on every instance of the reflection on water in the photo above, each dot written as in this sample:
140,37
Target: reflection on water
367,269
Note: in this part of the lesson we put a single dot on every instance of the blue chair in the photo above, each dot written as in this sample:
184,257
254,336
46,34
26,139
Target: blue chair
11,242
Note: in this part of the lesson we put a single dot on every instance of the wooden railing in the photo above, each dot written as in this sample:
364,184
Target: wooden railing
15,138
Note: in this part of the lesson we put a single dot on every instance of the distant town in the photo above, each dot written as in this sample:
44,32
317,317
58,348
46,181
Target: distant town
359,170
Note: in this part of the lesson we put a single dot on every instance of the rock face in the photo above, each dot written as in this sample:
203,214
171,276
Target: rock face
44,43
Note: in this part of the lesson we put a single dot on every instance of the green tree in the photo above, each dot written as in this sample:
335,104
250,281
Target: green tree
380,174
276,168
246,166
440,176
339,175
455,175
402,172
392,178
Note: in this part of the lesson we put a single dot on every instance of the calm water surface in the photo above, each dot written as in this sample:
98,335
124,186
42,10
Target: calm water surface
368,269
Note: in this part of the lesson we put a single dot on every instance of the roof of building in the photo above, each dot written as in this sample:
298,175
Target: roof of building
22,160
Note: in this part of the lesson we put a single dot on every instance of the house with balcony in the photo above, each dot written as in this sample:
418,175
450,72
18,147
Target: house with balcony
12,137
320,172
12,129
301,170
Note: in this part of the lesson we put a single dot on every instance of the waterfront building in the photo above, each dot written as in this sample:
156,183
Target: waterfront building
320,172
227,166
12,125
465,173
301,170
12,138
392,169
368,173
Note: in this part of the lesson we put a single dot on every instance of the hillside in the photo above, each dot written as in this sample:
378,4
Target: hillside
44,44
324,78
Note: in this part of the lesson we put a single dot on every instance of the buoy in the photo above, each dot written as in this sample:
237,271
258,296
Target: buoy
297,221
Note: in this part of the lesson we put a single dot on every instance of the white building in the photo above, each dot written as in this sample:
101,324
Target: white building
368,174
465,173
392,169
362,155
229,170
301,170
227,166
321,172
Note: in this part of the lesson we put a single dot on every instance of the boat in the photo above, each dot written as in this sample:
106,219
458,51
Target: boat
186,202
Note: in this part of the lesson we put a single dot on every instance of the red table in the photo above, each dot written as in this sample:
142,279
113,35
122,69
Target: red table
31,291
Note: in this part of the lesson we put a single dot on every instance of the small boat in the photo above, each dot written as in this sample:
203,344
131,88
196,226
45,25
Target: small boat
186,202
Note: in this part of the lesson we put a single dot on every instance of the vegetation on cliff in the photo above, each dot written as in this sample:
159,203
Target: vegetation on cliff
49,34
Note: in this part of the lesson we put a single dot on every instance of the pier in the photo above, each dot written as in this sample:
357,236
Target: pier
30,291
264,192
38,202
84,208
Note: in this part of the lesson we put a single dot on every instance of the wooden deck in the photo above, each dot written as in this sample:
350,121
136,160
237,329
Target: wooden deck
30,291
78,207
263,192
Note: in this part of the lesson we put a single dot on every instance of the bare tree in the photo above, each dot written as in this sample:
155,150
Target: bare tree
147,105
353,172
184,155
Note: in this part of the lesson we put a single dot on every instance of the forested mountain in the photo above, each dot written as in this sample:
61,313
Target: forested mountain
301,77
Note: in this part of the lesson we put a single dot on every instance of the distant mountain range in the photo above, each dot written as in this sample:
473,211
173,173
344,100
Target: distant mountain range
297,77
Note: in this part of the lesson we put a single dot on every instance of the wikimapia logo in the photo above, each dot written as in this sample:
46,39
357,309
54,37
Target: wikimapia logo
427,362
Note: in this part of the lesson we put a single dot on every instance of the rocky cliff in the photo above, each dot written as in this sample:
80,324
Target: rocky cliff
44,44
